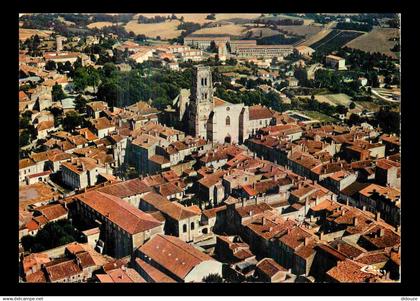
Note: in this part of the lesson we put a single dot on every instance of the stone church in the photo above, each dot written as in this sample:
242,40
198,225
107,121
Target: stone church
216,120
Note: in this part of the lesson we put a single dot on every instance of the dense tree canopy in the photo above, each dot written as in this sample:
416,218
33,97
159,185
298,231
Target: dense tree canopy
125,88
71,121
53,234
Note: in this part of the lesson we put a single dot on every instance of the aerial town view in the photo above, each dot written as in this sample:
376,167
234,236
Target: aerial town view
210,147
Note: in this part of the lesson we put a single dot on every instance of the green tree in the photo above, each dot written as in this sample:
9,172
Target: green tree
80,104
24,121
50,65
352,105
340,109
57,93
52,235
211,17
161,102
71,121
354,119
24,138
213,47
108,69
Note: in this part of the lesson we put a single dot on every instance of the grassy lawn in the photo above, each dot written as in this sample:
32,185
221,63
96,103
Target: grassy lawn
319,116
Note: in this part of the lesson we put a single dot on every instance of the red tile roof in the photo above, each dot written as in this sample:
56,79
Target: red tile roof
350,271
119,212
259,112
62,270
156,275
172,209
52,212
269,267
173,254
126,189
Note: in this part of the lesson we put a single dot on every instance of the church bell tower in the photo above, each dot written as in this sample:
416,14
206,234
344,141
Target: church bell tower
201,104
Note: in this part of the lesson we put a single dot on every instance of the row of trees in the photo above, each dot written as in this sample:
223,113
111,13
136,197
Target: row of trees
354,26
156,19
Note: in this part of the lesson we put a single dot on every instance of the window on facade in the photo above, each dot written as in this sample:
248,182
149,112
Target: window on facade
227,120
184,228
192,225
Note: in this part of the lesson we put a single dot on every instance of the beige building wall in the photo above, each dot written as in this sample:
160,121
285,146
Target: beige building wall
203,269
225,123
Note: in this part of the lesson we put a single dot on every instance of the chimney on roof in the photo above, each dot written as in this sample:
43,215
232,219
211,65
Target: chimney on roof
364,208
355,221
382,232
377,216
251,213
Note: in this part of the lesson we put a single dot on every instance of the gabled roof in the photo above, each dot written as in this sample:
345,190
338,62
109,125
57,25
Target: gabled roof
126,189
173,254
119,212
172,209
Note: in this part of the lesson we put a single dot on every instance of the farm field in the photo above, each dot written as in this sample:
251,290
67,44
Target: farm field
332,99
283,16
345,100
100,24
25,33
304,30
369,105
167,30
231,30
325,31
376,41
201,18
319,116
68,23
220,17
335,39
261,32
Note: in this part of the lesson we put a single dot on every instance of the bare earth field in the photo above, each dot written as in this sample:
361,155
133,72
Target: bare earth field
99,25
316,37
376,41
167,30
262,32
304,30
232,29
220,17
25,33
68,23
333,99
